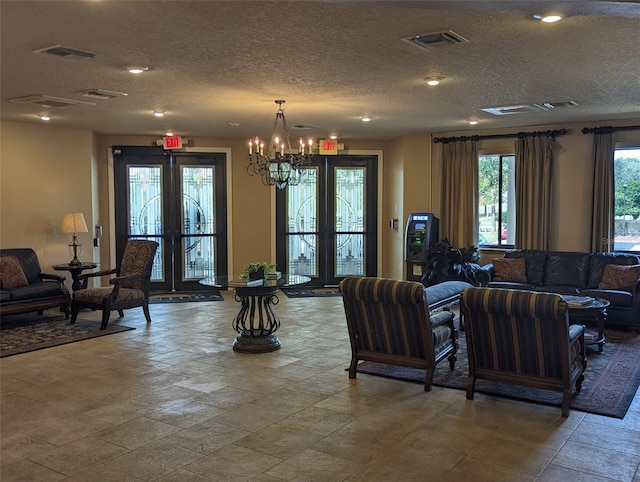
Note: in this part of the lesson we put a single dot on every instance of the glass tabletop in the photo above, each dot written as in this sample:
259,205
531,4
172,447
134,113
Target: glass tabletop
284,281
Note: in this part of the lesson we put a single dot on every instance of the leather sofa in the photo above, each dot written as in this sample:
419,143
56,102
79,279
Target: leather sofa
25,288
575,273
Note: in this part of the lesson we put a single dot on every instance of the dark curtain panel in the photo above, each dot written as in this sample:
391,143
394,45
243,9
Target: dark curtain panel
533,192
460,193
602,217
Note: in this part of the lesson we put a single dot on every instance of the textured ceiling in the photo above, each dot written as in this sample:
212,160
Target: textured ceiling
213,63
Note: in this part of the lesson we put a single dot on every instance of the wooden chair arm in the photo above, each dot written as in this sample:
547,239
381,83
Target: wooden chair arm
55,277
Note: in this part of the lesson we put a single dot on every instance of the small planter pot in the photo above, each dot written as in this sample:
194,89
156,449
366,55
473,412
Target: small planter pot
254,275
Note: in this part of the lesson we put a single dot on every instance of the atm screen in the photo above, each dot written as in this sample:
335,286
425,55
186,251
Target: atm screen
419,225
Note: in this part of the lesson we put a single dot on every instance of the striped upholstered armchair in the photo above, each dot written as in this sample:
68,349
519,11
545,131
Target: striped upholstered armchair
389,322
524,338
130,286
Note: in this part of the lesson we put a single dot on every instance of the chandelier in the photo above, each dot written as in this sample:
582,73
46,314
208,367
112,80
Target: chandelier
281,167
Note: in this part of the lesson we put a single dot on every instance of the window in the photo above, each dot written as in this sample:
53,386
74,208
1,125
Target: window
497,200
626,172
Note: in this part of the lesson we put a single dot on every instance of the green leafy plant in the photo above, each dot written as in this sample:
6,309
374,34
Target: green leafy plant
256,267
445,261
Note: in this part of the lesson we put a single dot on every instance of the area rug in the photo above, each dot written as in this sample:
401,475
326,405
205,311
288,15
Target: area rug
31,332
299,292
611,378
185,296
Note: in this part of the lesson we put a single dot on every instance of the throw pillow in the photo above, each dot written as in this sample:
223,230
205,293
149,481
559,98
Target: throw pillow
619,277
510,269
11,274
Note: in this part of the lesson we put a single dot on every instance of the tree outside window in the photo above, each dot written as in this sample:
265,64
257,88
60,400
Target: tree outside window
627,199
497,200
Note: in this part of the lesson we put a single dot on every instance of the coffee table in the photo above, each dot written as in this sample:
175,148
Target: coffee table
595,310
256,320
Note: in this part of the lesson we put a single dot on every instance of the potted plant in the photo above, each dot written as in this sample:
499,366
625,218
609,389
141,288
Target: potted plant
257,270
446,262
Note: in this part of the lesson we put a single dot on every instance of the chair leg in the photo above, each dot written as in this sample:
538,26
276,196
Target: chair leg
74,313
147,315
105,319
428,379
352,367
121,313
566,400
471,387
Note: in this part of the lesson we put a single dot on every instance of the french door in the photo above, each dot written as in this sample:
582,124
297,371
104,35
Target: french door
327,224
179,201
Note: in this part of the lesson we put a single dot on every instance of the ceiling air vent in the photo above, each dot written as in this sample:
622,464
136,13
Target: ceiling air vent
66,53
429,41
555,105
49,101
103,94
513,109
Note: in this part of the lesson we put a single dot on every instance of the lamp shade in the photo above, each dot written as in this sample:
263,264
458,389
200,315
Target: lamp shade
73,223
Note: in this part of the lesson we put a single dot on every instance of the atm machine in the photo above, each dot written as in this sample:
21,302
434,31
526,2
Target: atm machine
421,234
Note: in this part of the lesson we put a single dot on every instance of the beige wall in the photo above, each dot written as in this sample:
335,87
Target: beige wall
46,171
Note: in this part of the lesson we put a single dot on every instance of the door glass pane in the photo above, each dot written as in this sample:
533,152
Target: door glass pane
145,209
198,223
349,221
302,212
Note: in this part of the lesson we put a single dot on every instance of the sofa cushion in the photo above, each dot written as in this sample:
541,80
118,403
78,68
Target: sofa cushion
34,291
509,285
535,262
510,269
567,269
598,262
11,273
617,277
558,289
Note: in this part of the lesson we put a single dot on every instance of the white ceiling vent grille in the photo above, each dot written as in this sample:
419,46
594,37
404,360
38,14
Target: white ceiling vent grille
429,41
49,101
556,105
513,109
66,53
103,94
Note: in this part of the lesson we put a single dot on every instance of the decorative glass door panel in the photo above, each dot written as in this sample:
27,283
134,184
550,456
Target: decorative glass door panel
302,222
349,221
178,201
327,223
198,226
146,211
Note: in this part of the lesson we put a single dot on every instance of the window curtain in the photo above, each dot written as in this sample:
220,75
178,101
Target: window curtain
460,192
602,216
534,159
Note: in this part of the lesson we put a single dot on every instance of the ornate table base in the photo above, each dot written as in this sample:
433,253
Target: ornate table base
256,320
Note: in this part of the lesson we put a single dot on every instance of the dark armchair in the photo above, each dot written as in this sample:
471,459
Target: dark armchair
524,338
130,286
389,322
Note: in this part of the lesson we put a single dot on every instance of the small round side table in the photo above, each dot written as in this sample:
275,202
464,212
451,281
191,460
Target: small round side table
75,270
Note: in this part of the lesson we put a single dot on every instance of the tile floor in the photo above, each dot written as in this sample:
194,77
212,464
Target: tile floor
172,402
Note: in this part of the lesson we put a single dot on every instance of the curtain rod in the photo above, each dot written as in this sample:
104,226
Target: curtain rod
520,135
608,129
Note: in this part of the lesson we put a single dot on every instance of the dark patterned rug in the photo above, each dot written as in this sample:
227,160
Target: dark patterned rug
29,332
297,292
185,296
611,378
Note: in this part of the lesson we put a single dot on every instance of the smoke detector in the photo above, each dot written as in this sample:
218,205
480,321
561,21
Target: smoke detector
66,53
49,101
433,40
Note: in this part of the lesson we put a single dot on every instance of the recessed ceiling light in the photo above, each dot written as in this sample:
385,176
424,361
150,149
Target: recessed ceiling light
45,117
234,124
333,136
548,18
473,122
158,113
434,80
365,118
137,70
168,134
